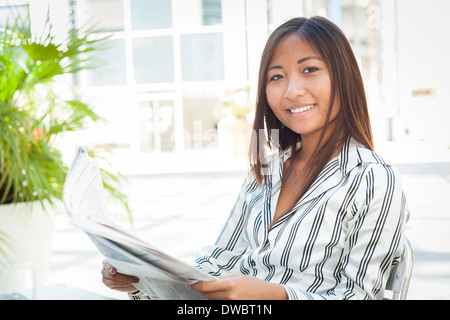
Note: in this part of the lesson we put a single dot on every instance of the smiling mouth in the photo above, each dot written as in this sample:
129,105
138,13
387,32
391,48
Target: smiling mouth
302,109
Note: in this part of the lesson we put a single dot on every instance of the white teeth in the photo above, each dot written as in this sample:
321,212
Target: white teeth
302,109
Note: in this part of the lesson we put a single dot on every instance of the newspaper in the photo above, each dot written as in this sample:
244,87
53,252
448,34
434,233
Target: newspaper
160,275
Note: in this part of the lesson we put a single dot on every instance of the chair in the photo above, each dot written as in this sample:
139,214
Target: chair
400,274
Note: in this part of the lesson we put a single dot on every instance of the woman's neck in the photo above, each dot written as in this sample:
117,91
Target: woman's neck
312,143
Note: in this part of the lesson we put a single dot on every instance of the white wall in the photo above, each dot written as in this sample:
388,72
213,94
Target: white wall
423,63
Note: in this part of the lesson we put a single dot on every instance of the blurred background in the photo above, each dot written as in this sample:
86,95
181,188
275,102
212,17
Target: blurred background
176,82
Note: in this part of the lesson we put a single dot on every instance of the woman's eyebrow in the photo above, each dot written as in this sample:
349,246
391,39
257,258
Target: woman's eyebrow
298,62
308,58
274,67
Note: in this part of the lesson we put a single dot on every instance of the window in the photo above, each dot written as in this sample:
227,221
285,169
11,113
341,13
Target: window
151,14
201,115
156,47
112,67
153,59
9,13
156,125
212,12
202,57
196,13
107,13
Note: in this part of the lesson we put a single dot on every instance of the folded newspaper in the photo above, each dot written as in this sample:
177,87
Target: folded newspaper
160,275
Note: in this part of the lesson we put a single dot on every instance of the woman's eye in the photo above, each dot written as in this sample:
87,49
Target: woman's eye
310,70
276,77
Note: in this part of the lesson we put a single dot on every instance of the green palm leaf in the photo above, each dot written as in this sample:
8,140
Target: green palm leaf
32,115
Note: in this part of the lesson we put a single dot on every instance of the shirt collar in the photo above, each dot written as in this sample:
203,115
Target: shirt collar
354,153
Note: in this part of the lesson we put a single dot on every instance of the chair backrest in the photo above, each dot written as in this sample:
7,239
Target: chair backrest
400,275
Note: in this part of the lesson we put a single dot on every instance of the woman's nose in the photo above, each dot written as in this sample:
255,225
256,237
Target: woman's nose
295,89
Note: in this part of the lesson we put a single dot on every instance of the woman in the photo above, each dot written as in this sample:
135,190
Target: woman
320,216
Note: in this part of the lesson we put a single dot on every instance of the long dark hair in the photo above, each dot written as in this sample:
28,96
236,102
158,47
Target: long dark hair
346,85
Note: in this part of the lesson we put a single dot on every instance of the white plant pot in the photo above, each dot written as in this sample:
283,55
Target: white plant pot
29,230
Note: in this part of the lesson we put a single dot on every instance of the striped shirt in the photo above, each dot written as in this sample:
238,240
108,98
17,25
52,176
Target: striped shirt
339,240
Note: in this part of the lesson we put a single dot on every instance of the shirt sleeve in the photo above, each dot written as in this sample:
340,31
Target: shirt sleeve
223,257
374,237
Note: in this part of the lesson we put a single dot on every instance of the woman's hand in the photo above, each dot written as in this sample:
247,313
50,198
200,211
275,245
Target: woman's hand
117,281
240,287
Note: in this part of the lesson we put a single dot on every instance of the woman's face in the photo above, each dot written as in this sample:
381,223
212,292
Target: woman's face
298,87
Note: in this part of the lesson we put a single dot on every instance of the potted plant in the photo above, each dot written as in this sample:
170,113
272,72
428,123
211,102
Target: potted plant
34,117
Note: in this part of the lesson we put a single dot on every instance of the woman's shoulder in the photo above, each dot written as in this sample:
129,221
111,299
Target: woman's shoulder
358,156
365,155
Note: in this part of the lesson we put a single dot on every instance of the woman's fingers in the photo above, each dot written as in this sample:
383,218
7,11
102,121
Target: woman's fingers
117,281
